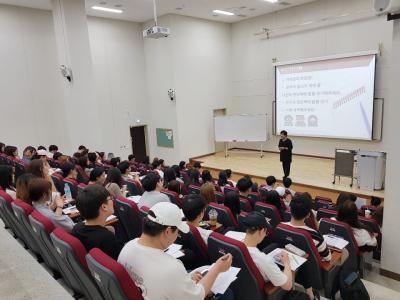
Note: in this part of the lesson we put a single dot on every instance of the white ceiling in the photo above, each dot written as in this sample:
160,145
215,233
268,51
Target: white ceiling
142,10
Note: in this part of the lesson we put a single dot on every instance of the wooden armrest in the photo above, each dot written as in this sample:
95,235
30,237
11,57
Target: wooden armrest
336,257
112,222
269,288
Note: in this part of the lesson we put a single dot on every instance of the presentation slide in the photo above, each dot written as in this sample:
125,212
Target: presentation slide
331,98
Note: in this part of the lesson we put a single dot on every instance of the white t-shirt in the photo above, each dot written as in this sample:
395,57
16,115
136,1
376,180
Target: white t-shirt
267,267
363,237
204,233
159,275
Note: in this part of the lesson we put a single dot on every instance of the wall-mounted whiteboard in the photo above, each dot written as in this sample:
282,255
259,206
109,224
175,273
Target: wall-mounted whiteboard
241,128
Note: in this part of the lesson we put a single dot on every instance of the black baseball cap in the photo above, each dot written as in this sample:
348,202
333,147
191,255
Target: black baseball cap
255,221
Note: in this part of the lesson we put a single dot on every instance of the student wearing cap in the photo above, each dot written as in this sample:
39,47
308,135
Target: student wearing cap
159,275
256,230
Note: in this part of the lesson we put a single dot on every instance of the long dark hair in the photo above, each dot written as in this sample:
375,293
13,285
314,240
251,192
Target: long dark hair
169,175
114,176
348,213
36,168
222,178
6,177
194,176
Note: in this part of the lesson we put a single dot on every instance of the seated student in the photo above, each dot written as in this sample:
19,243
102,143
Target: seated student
256,230
343,197
115,161
125,169
7,177
131,159
223,180
57,158
2,146
197,165
152,184
271,181
274,199
22,187
229,174
40,194
97,176
114,183
195,177
41,168
169,175
232,201
95,206
158,274
82,149
28,154
300,208
182,165
194,207
287,183
52,149
206,177
157,168
207,191
11,152
377,215
175,186
69,171
244,185
92,157
348,213
83,163
376,201
178,174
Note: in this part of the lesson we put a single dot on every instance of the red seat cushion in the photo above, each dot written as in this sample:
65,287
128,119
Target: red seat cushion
125,281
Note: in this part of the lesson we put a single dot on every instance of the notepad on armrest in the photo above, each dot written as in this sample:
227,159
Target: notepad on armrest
70,210
335,241
224,280
175,251
295,260
110,218
236,235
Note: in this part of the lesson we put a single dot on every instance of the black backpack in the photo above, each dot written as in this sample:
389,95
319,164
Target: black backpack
351,291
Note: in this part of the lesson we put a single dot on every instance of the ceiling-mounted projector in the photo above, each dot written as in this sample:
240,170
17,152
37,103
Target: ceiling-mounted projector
156,32
383,7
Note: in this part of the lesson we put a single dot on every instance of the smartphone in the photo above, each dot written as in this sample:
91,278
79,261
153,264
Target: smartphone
204,272
350,278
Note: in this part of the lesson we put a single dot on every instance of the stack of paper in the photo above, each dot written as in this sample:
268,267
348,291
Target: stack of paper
70,210
134,199
236,235
294,260
224,280
335,241
174,250
110,218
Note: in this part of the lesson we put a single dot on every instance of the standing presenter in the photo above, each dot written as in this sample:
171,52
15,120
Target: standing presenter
285,148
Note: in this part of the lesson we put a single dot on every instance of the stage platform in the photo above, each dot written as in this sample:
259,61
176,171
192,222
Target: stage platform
311,174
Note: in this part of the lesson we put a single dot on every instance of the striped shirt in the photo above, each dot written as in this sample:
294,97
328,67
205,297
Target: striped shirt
318,240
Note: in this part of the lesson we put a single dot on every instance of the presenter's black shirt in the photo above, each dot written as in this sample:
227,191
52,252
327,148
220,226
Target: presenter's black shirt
286,155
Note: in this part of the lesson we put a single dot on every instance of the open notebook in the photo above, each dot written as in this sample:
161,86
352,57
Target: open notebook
295,260
335,241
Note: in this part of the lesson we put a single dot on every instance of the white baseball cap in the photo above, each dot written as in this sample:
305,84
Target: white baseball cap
42,152
168,214
281,191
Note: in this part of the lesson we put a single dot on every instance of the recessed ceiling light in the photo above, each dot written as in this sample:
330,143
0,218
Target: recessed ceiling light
223,12
272,1
117,11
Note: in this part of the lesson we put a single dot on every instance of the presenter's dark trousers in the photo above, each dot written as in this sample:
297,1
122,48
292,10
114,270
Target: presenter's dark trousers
286,168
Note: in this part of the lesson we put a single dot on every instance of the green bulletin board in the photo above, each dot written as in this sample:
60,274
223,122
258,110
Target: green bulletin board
165,137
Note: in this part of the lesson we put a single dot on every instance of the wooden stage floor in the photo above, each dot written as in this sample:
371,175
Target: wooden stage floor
311,174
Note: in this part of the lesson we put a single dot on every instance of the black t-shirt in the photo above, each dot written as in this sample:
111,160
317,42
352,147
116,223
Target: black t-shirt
97,237
286,155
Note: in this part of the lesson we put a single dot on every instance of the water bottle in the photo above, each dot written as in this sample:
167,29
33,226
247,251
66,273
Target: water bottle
67,192
213,216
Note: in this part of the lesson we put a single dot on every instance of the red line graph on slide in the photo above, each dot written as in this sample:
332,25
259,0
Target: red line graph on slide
349,97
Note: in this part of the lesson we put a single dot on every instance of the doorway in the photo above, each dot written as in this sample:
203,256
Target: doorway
219,146
138,139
